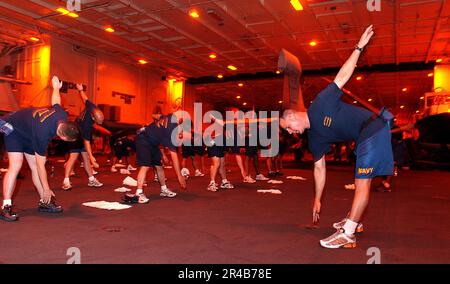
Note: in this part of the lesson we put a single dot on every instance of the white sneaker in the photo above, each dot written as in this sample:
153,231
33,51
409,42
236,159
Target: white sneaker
125,172
66,186
226,185
94,172
212,186
113,169
143,199
249,179
95,183
261,177
339,240
198,173
131,168
339,225
167,193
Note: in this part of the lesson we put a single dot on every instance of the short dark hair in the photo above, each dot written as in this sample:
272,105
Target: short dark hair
69,130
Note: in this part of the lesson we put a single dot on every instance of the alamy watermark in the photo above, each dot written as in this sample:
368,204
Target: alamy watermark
74,255
375,255
373,5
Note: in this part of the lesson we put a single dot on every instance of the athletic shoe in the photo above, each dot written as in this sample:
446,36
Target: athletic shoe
8,215
167,193
131,168
278,174
249,179
212,186
94,172
339,225
198,173
261,177
339,240
272,174
113,169
135,198
226,185
49,208
66,186
383,188
125,172
95,183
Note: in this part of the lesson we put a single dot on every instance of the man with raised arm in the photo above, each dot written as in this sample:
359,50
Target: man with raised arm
32,131
330,120
85,122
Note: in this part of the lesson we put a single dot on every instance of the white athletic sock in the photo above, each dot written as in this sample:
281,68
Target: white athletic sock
224,181
92,178
139,191
211,182
164,187
350,227
66,180
7,202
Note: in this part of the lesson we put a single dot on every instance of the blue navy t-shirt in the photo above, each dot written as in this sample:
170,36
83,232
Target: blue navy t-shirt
85,121
332,120
162,135
38,125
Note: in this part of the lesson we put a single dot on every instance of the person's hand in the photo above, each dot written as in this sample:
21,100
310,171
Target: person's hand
165,160
182,182
80,87
316,211
56,83
47,196
366,36
94,163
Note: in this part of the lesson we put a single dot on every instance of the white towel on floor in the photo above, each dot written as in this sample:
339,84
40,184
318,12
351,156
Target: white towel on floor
273,191
122,189
296,177
274,181
129,181
107,205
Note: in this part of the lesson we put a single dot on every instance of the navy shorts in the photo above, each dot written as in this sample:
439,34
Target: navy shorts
374,151
199,150
76,146
147,155
251,151
235,149
216,151
187,151
16,143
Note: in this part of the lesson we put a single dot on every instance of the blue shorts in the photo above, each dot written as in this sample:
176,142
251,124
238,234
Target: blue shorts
147,155
216,151
374,151
16,143
76,146
251,151
199,150
187,151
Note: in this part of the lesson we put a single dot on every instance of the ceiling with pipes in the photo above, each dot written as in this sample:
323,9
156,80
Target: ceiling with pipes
249,34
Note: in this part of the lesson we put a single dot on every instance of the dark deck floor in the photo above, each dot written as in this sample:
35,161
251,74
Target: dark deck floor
409,225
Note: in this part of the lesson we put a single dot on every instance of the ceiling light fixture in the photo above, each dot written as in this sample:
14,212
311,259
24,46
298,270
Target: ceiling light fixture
35,39
142,61
297,5
404,89
232,68
212,56
220,76
439,60
194,14
109,29
313,43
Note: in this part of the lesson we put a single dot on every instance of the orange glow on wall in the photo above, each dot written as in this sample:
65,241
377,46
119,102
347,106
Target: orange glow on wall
175,94
441,75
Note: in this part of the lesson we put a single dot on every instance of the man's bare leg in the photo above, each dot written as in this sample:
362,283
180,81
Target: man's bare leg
360,200
10,179
31,159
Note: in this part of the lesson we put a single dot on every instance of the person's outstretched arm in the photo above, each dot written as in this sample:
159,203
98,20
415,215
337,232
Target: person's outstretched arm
349,66
319,185
56,96
82,93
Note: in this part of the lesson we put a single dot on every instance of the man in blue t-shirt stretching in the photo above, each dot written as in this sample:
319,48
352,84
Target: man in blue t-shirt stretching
329,120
